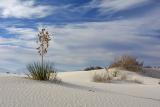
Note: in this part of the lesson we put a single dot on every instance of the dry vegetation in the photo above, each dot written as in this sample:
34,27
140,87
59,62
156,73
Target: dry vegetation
113,75
42,70
101,77
128,63
92,68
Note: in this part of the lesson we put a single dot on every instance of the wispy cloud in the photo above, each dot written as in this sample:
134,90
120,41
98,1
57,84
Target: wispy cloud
76,45
22,33
117,5
23,9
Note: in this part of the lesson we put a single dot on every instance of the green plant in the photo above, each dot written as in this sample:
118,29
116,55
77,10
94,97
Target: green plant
39,72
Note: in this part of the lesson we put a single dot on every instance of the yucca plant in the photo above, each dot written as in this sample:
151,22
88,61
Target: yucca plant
39,72
43,41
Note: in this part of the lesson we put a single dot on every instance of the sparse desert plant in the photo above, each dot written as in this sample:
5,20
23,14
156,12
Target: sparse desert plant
92,68
148,66
128,63
100,76
115,73
39,72
54,77
109,78
7,72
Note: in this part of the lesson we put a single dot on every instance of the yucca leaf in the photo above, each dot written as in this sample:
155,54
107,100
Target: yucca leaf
39,72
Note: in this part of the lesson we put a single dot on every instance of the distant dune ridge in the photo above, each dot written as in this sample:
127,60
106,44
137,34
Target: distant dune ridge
78,90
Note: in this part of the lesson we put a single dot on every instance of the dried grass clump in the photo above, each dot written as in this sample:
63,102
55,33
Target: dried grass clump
97,77
101,77
115,73
128,63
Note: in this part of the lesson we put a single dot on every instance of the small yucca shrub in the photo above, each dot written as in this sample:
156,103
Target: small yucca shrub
38,71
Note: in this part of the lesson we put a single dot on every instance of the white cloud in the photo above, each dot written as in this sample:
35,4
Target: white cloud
23,9
16,57
88,41
22,33
78,45
121,4
117,5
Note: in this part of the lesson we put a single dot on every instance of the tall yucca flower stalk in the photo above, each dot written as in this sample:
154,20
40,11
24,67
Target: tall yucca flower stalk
43,42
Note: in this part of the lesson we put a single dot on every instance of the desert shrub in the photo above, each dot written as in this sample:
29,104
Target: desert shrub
101,77
54,78
128,63
92,68
148,66
115,73
39,72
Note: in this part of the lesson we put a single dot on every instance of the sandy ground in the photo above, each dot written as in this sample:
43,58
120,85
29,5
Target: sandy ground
77,90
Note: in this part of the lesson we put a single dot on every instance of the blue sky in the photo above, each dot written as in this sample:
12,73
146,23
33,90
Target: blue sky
86,32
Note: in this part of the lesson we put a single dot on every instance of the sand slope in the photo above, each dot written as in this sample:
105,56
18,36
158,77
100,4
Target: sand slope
21,92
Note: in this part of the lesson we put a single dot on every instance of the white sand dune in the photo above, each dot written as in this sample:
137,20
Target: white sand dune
77,90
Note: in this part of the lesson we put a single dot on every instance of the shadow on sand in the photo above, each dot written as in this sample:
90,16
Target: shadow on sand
93,89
